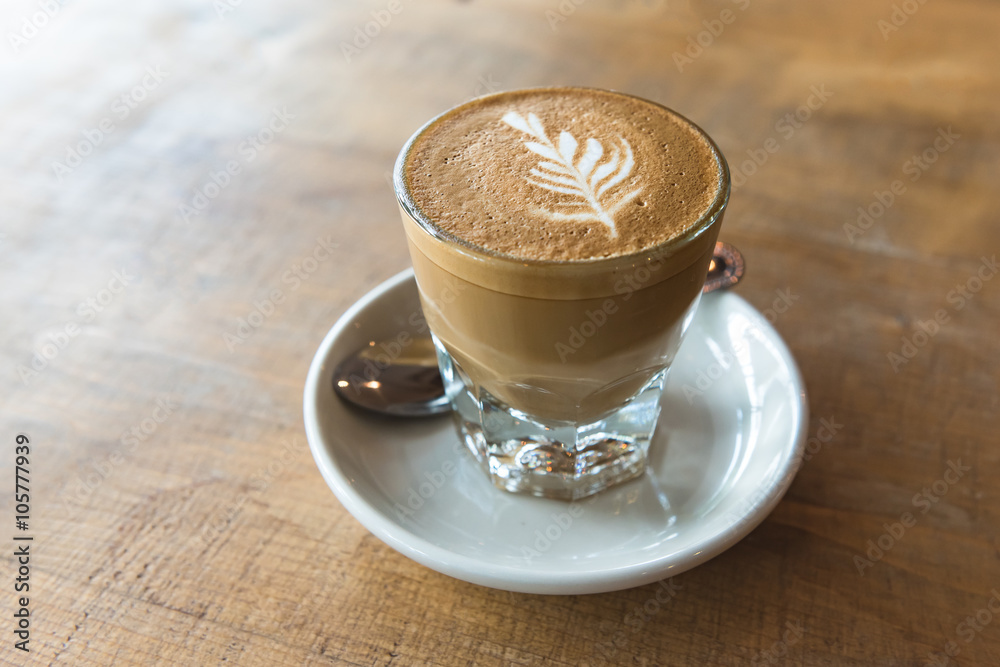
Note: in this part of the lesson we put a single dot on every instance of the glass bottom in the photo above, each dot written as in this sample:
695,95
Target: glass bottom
554,459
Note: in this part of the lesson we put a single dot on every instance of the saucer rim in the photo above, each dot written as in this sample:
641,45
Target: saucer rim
517,579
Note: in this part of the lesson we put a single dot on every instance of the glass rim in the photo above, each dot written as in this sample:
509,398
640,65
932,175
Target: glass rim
409,206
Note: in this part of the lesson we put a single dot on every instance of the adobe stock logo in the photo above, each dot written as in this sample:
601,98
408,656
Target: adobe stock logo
78,491
779,649
430,484
928,497
786,126
915,167
958,298
122,107
899,17
967,631
220,179
31,25
364,34
635,620
263,309
713,29
55,342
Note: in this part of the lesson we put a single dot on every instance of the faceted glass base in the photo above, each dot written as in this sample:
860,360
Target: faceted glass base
566,460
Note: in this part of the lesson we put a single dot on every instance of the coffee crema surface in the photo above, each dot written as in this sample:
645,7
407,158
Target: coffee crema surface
562,174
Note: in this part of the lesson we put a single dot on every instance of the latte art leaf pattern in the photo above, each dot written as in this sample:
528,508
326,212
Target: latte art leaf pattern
588,180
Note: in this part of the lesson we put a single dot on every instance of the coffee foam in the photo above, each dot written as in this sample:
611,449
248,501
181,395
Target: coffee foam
561,174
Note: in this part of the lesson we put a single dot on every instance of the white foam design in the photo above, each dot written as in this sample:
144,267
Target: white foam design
588,180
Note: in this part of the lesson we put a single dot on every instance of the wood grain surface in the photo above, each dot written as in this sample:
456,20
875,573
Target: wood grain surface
177,515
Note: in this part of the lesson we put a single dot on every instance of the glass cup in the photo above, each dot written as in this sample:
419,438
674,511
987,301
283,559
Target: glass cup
555,369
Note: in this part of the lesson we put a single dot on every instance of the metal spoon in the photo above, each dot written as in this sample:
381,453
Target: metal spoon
410,384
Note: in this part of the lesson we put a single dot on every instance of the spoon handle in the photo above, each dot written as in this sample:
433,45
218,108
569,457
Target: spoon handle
726,268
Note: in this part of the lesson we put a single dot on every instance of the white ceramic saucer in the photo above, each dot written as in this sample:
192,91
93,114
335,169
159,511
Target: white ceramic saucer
728,444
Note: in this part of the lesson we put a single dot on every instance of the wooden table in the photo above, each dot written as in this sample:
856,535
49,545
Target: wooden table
176,514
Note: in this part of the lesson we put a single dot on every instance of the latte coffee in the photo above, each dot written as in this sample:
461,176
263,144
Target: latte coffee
560,239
